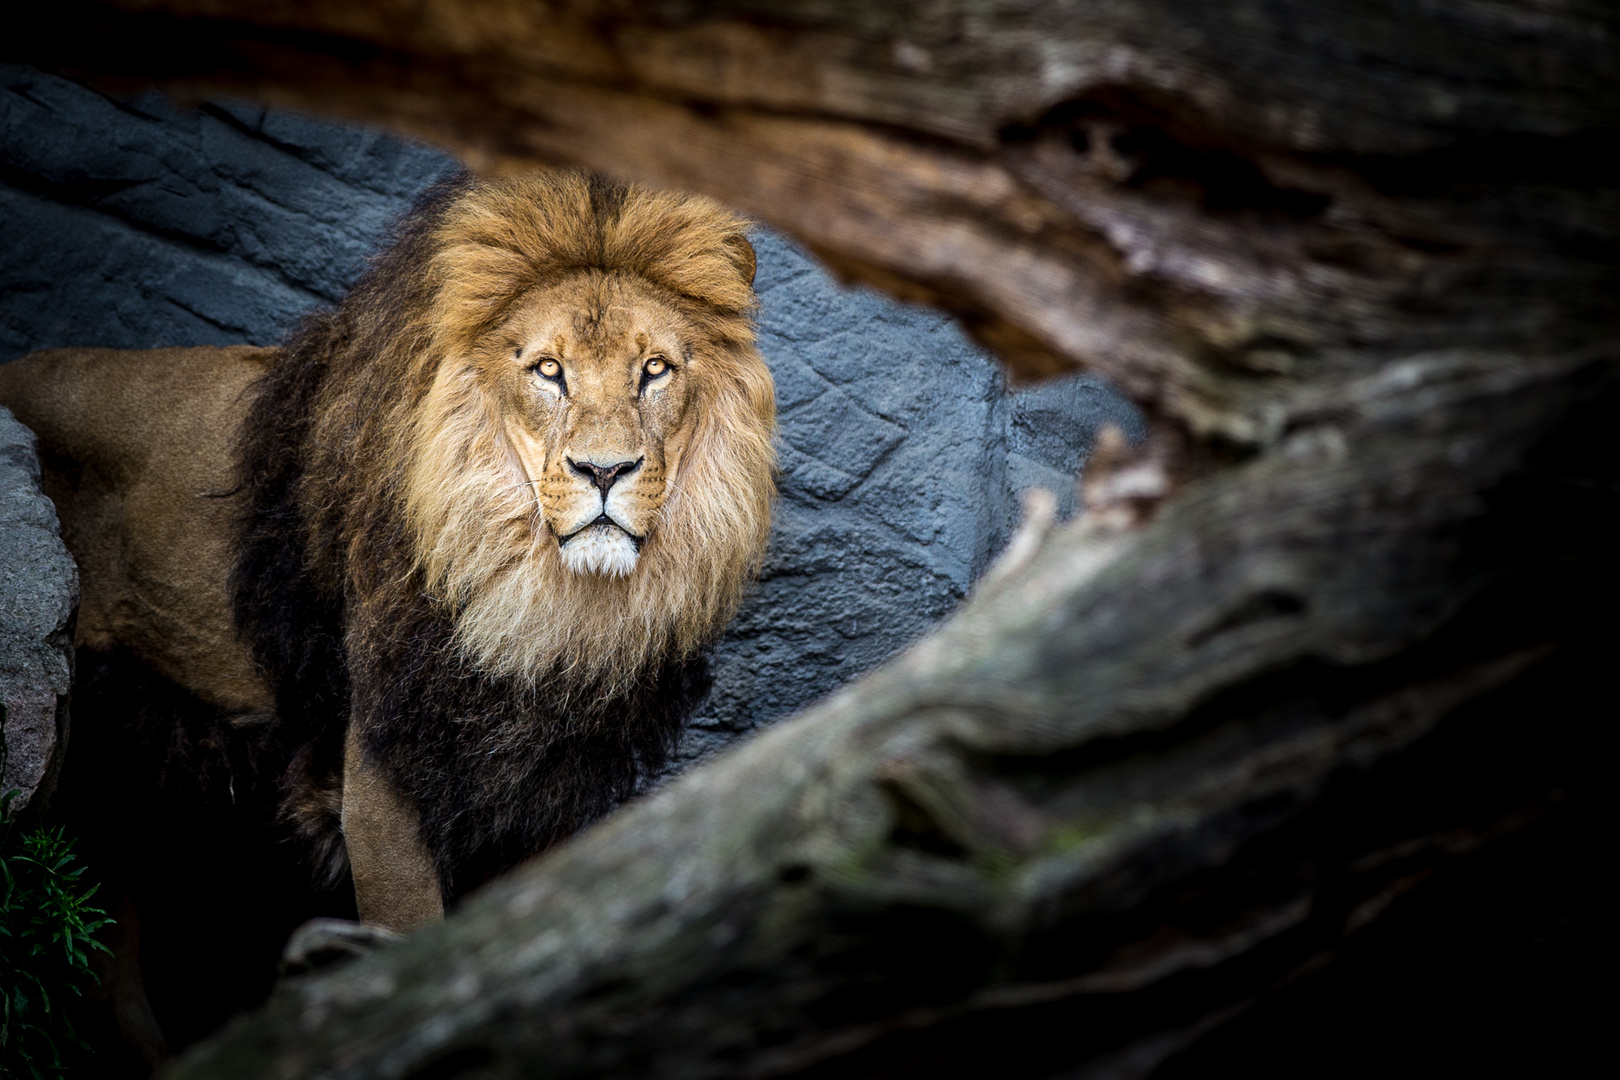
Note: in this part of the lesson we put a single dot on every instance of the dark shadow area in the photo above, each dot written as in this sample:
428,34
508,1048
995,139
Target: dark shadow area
174,803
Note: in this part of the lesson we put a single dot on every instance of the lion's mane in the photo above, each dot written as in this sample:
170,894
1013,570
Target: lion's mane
393,573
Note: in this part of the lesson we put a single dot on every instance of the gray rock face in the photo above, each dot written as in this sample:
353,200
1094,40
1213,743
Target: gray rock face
130,224
903,457
39,593
903,453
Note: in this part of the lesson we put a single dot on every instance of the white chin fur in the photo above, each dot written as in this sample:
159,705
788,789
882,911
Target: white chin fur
600,549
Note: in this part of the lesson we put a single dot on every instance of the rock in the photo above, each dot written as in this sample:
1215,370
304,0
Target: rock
39,595
130,223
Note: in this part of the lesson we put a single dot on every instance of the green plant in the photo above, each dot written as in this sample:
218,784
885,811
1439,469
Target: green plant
47,933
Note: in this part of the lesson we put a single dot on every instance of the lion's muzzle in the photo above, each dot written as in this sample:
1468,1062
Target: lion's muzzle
604,544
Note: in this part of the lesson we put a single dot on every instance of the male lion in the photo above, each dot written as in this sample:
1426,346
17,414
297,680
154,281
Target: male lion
457,549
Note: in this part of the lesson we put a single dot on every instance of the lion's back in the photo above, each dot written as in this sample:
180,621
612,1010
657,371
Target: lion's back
137,454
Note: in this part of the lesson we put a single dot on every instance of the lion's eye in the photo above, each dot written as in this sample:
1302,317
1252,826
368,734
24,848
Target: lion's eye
655,367
550,369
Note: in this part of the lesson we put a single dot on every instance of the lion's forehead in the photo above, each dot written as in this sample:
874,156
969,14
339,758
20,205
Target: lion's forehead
601,319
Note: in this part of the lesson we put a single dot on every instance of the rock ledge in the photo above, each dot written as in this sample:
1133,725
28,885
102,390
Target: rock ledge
39,596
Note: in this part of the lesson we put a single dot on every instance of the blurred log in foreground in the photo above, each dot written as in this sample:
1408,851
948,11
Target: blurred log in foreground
1339,628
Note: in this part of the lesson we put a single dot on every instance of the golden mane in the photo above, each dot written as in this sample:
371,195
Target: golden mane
478,539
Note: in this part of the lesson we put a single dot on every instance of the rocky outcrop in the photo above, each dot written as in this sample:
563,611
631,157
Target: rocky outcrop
39,594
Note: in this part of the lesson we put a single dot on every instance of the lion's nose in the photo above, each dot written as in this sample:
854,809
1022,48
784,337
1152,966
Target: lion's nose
605,476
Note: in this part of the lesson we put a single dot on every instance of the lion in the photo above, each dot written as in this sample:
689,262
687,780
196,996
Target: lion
462,543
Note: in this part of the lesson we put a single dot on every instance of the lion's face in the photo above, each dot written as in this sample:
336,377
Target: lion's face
599,386
586,438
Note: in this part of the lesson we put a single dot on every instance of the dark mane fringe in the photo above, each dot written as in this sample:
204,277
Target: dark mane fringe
288,602
292,620
436,724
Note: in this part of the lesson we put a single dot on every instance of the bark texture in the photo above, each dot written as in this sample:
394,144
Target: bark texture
1338,624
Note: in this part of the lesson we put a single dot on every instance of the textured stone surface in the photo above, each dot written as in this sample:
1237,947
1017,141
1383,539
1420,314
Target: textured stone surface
132,224
39,592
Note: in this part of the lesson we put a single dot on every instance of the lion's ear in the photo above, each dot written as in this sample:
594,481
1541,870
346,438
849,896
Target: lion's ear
742,256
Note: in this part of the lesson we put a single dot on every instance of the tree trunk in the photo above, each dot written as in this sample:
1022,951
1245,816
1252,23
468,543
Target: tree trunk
1336,626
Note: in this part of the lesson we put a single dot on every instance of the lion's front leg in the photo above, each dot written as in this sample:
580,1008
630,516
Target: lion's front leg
395,883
